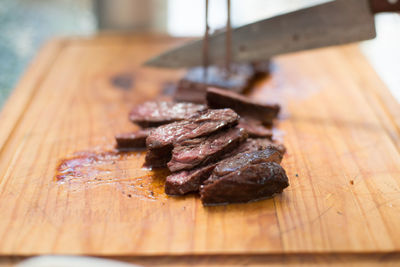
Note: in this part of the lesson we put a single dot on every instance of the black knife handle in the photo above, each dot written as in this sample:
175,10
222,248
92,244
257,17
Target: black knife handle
378,6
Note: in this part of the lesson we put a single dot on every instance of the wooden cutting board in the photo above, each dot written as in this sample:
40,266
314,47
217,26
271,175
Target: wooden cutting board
339,123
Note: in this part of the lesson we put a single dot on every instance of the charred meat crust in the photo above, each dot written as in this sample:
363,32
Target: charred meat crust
248,183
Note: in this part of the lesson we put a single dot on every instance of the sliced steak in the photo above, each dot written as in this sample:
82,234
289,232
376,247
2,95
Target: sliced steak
204,150
250,182
255,128
133,140
160,142
244,106
201,124
237,162
183,182
158,157
193,87
155,113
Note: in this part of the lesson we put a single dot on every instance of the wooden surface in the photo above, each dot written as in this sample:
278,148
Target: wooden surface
329,259
339,123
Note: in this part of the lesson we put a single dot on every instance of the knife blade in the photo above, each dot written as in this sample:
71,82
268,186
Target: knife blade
332,23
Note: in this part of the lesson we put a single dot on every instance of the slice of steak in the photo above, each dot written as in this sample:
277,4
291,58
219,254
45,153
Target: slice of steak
250,182
255,128
244,106
237,162
199,125
204,150
133,140
160,142
158,157
193,87
155,113
183,182
253,144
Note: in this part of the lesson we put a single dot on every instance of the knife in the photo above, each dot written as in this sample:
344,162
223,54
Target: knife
333,23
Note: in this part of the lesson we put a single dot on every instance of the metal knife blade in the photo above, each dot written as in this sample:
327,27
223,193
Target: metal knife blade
332,23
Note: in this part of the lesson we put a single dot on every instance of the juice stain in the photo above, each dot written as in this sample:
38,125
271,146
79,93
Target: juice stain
88,169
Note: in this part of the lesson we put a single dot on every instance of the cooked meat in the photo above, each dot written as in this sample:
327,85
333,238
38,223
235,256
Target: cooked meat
201,124
127,141
155,113
160,142
204,150
235,163
207,148
253,144
244,106
255,128
280,147
242,183
158,157
192,88
183,182
180,183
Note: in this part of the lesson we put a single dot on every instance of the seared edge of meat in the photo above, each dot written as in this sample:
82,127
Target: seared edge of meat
251,182
180,183
255,128
132,140
183,182
235,163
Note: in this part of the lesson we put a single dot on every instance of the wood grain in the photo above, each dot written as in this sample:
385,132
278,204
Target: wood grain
339,124
21,97
330,259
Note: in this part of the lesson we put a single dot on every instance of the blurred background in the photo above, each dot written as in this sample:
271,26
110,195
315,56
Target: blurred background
26,24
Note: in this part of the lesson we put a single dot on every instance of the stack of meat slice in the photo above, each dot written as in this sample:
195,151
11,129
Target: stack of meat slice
166,138
225,151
